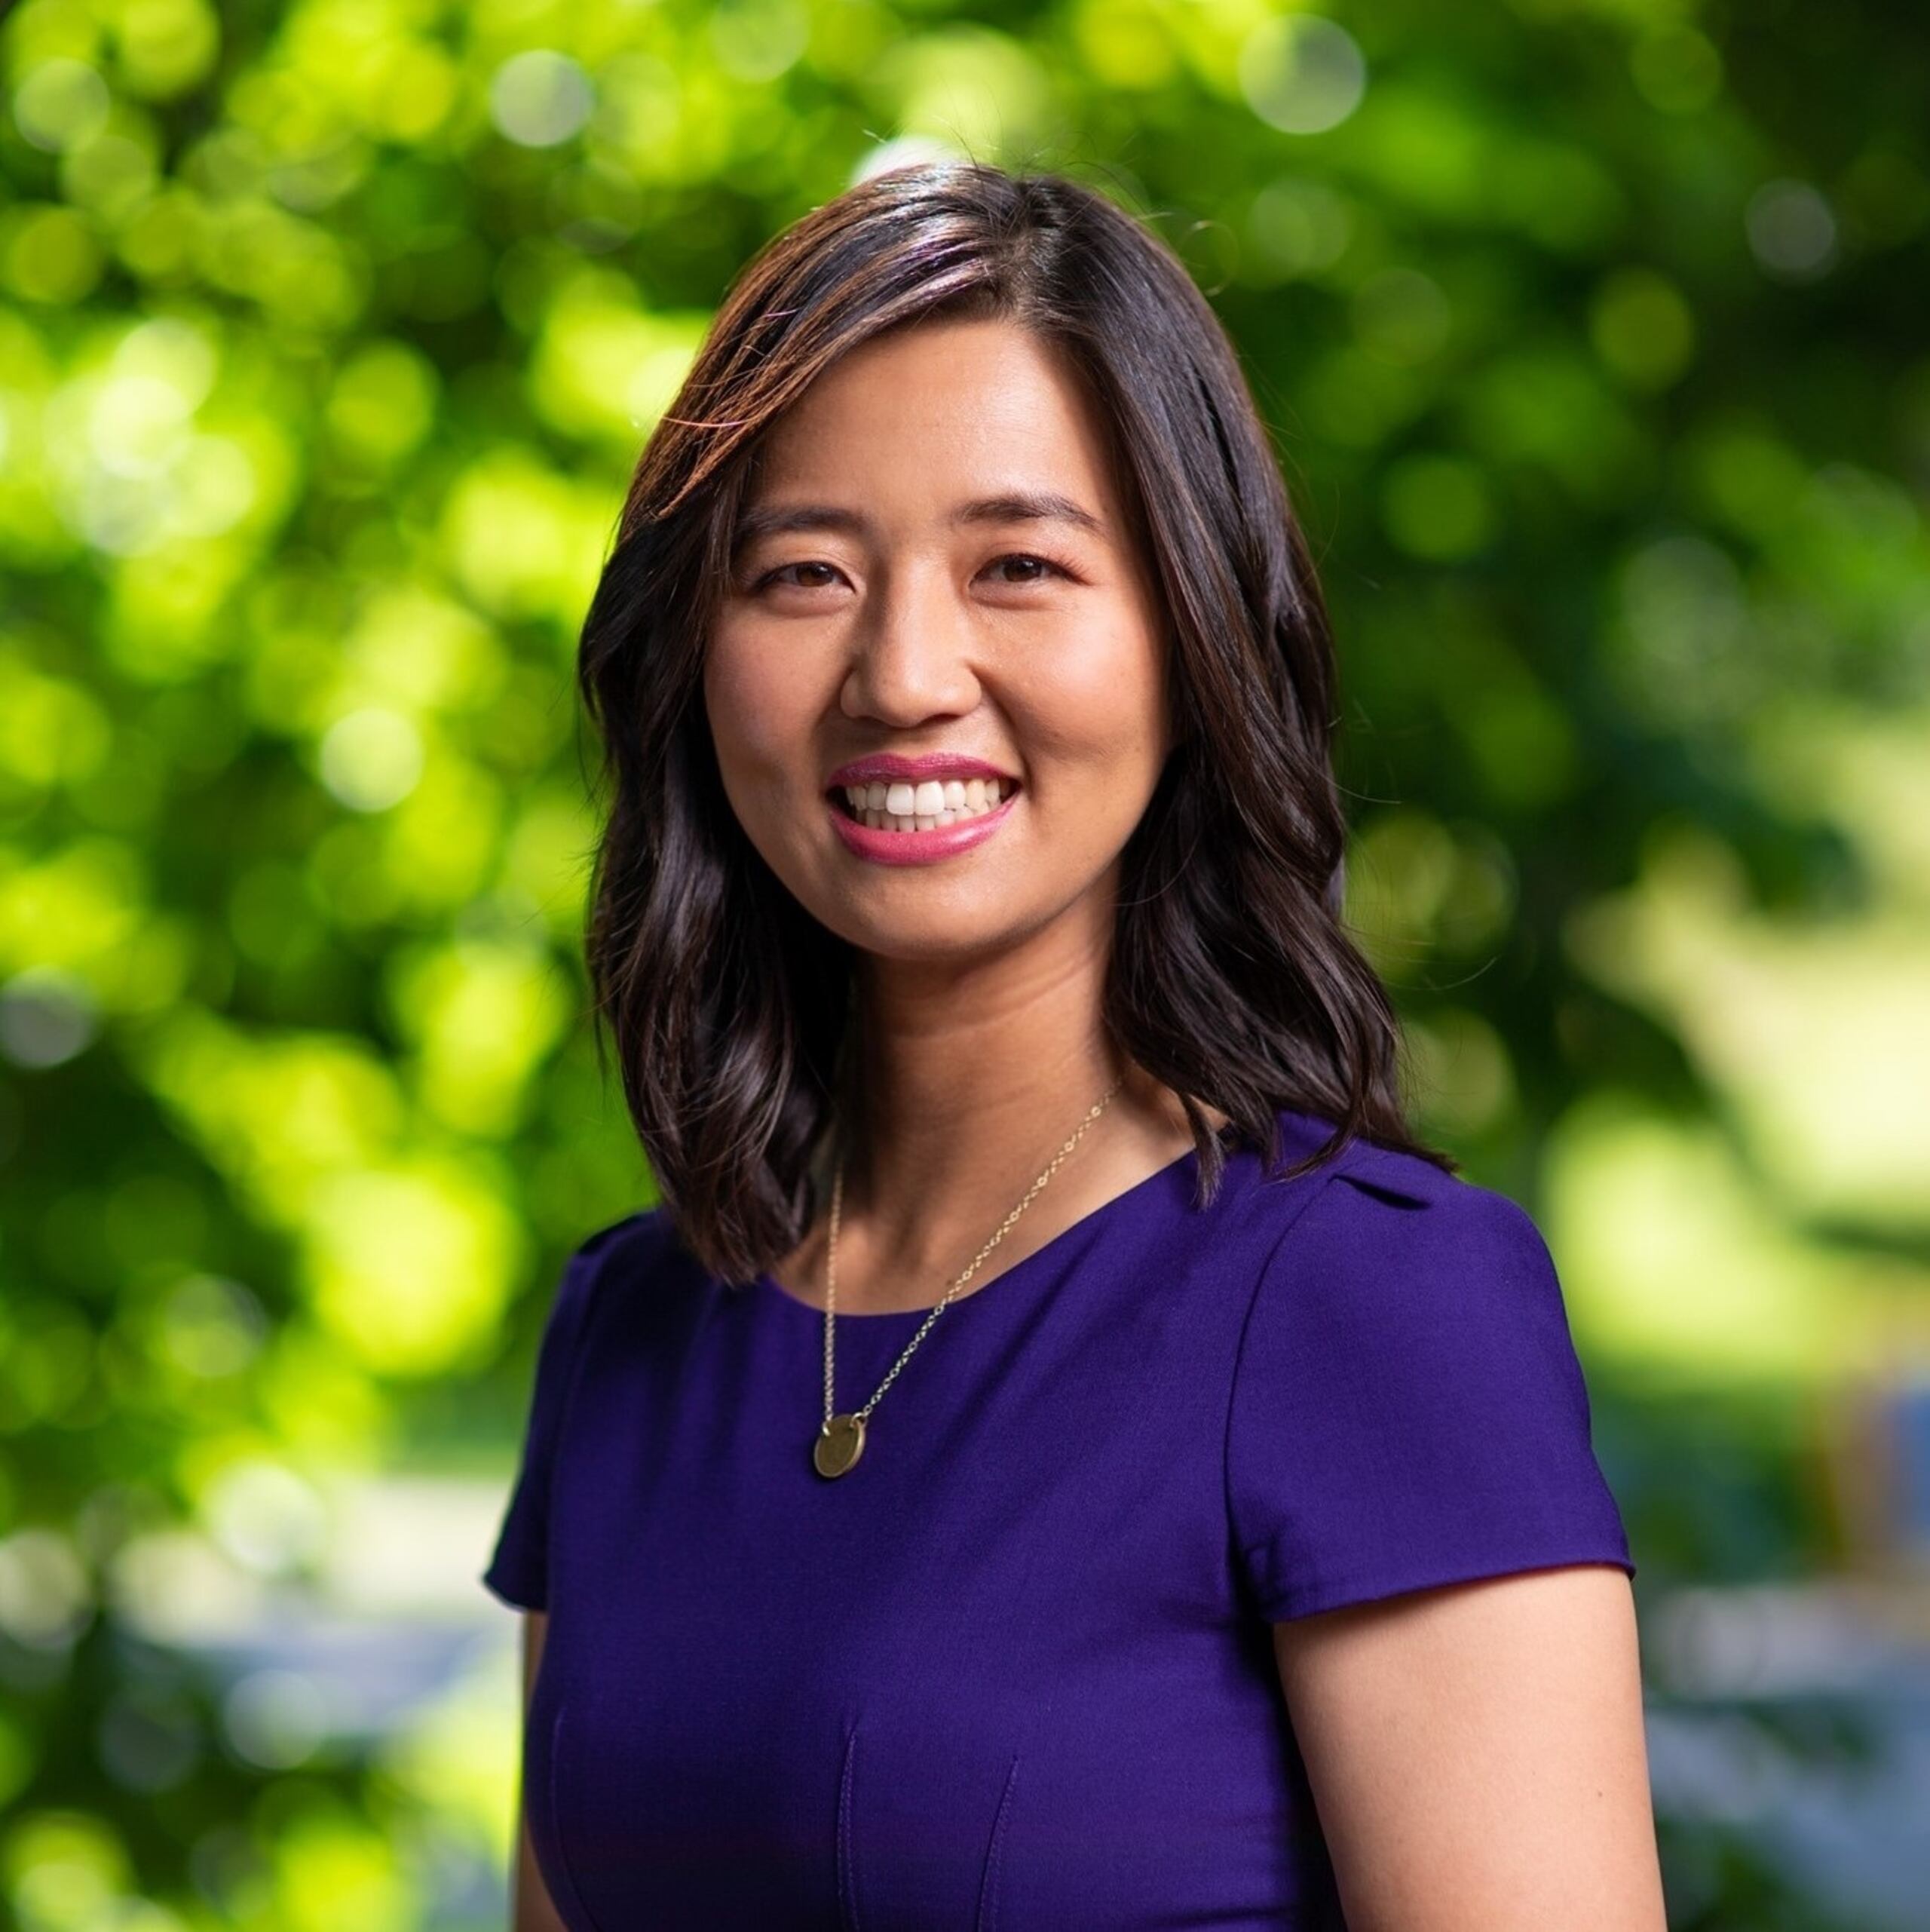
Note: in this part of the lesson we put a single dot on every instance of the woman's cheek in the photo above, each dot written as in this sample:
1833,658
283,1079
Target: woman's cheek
1111,667
757,710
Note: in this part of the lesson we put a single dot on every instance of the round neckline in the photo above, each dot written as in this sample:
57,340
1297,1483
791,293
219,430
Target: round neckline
1083,1224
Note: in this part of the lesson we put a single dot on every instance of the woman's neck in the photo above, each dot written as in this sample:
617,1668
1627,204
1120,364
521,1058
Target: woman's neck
919,1203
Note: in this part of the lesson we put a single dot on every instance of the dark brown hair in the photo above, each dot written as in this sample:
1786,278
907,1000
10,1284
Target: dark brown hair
1231,979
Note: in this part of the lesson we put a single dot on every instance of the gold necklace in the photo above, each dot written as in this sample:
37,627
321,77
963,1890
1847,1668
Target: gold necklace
841,1441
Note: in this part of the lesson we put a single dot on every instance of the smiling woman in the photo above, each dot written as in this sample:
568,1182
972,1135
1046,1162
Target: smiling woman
1232,1551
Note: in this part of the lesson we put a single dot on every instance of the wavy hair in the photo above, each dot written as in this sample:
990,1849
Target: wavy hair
1230,978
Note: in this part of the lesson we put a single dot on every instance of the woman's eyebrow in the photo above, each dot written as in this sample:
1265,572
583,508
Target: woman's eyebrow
1029,506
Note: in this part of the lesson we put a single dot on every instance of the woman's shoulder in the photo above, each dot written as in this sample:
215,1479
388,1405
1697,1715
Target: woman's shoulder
1409,1407
632,1241
610,1262
1385,1204
1393,1172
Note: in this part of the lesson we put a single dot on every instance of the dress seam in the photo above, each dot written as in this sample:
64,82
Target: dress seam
988,1891
1265,1271
847,1877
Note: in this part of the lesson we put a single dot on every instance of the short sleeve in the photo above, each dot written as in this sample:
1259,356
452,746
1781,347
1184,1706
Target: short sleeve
1408,1409
518,1570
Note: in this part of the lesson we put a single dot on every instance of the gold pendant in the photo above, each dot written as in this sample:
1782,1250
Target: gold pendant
840,1443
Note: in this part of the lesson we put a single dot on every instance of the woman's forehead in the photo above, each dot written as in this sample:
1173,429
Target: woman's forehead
978,399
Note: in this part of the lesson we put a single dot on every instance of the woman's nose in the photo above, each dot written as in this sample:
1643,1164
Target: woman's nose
914,651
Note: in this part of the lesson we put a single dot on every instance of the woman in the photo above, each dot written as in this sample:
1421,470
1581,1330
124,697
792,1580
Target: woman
1059,1454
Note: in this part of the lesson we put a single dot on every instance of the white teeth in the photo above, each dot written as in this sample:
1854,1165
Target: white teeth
902,807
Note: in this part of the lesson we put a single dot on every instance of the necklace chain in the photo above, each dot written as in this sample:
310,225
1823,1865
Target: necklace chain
924,1328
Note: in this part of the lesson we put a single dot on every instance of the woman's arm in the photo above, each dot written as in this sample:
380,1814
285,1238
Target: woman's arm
533,1911
1477,1755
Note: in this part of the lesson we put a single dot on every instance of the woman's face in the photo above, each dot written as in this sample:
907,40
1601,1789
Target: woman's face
934,566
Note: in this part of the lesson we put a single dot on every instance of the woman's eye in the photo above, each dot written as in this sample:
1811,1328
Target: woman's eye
777,576
1043,563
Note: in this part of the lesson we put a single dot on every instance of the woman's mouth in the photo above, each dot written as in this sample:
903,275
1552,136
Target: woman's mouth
916,824
906,807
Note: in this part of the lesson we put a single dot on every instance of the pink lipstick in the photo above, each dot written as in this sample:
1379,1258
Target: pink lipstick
885,845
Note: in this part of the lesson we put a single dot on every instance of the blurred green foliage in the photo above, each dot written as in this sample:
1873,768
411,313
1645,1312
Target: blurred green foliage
1590,332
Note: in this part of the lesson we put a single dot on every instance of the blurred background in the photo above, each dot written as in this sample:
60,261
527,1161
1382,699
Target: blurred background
1591,335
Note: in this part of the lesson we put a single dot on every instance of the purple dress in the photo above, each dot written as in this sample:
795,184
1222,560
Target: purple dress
1014,1669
